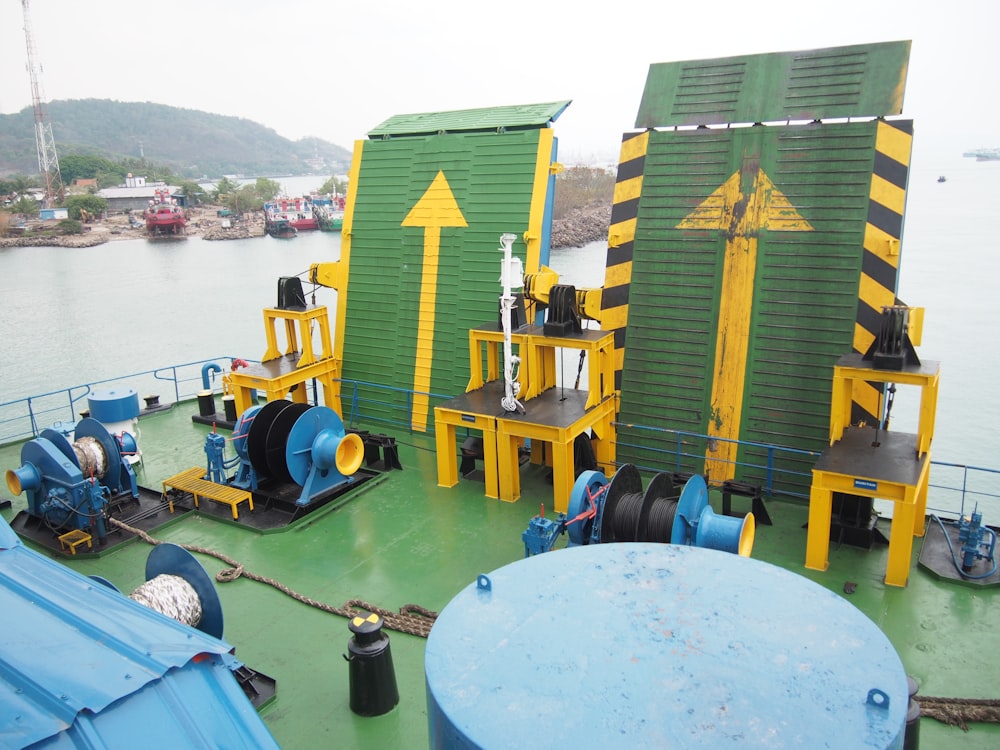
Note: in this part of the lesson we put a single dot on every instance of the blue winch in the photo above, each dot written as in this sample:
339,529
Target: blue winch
619,511
288,442
69,485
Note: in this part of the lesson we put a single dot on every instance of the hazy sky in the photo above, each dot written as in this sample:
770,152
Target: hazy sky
335,69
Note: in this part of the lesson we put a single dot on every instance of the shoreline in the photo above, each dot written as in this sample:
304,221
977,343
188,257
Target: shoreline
579,228
202,222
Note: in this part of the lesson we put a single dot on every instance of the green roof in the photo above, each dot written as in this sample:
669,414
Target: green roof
513,117
859,81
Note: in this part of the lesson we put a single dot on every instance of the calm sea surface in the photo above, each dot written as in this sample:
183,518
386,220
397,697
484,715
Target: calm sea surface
71,316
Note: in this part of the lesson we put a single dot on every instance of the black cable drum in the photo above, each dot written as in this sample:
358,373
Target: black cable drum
630,515
625,483
277,440
659,507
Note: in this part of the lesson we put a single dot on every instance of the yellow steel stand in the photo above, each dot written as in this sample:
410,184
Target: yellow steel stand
864,461
541,351
493,339
555,418
474,410
311,314
280,374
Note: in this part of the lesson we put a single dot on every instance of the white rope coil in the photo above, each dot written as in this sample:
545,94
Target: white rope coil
91,457
171,596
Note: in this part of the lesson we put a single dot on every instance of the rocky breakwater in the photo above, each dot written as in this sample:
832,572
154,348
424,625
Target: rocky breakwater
581,227
89,239
238,232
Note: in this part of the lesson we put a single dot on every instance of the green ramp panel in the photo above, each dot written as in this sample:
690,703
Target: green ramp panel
787,208
491,178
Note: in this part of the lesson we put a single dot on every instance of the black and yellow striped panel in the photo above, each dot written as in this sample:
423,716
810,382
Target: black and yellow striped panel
621,240
880,263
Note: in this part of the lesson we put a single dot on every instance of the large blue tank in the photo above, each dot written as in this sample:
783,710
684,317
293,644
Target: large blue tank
631,645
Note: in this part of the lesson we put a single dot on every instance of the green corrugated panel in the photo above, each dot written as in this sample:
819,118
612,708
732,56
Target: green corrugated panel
804,297
515,117
491,177
860,81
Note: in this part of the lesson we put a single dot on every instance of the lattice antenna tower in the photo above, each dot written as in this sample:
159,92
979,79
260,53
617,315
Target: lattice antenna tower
48,160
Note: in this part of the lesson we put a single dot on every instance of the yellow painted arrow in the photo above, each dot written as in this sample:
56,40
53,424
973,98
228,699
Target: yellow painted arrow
744,204
436,208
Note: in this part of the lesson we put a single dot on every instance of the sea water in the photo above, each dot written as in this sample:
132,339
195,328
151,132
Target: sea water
72,316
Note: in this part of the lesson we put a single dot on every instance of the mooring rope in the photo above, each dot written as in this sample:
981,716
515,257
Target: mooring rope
411,618
957,712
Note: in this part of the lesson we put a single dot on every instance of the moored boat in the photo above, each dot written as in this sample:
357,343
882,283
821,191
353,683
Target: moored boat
329,214
164,217
280,228
296,211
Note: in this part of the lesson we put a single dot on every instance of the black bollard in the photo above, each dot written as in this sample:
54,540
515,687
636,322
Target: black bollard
206,404
372,676
229,407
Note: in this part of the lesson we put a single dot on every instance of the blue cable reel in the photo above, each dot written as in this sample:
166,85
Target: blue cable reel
319,454
294,442
602,511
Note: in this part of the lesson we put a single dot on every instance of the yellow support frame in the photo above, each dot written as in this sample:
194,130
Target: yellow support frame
897,468
280,374
552,417
298,320
560,434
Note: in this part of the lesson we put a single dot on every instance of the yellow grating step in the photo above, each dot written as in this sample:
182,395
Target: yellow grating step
72,539
191,481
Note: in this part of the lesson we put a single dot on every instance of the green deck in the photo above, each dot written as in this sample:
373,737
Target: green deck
404,540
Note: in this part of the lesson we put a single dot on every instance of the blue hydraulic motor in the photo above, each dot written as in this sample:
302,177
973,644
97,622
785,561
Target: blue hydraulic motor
971,531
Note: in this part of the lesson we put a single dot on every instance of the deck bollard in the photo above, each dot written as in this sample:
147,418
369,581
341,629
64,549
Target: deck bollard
372,676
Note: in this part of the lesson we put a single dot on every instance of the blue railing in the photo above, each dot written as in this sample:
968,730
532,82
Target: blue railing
954,487
22,419
689,446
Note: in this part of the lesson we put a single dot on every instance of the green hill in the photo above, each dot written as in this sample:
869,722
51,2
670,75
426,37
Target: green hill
190,142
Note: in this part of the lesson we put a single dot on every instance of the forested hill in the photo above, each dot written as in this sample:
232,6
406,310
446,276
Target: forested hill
190,142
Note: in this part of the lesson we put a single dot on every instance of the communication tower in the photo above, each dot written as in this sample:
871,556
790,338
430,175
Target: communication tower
48,160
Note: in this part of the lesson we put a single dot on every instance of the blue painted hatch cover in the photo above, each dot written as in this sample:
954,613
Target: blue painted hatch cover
653,645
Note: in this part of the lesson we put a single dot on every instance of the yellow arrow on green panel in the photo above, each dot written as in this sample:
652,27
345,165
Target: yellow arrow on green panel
437,208
744,204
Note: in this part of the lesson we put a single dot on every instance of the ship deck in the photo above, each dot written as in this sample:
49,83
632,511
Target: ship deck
400,539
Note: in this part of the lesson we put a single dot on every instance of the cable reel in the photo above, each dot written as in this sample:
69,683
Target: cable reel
296,443
600,511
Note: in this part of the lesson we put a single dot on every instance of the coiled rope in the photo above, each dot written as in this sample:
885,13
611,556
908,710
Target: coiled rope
171,596
411,618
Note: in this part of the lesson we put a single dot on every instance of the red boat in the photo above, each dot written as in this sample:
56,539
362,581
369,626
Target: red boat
296,211
164,217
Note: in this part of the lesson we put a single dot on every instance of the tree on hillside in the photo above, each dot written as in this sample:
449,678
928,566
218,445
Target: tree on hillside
266,188
25,205
83,166
194,192
225,186
582,187
333,186
93,205
21,184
